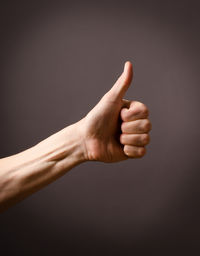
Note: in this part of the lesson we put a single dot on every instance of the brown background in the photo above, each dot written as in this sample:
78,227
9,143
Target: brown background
57,60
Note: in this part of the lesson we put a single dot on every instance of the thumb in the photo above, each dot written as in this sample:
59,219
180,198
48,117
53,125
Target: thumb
123,82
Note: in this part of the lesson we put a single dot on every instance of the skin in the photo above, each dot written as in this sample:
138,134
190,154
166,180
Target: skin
114,130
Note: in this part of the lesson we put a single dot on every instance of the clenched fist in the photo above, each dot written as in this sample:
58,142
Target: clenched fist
116,129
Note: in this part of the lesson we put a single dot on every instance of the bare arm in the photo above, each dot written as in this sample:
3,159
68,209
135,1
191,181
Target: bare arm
26,172
114,130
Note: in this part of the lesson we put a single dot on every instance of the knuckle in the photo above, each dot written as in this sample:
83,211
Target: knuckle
145,111
146,125
142,108
145,139
141,152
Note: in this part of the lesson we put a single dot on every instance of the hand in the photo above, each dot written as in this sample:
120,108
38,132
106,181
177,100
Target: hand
116,129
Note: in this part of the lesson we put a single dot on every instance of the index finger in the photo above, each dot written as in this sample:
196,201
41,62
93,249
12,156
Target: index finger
136,110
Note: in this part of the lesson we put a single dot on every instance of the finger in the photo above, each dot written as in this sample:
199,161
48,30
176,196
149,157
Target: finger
135,139
135,111
123,82
133,151
136,127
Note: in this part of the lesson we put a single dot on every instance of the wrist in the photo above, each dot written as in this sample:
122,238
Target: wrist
66,143
79,130
76,132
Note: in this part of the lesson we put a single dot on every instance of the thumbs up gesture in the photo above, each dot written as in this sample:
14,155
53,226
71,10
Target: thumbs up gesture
116,129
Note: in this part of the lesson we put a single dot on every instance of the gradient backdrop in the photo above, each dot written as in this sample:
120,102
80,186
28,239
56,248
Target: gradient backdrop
57,60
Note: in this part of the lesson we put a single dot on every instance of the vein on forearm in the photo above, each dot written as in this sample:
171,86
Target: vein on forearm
28,171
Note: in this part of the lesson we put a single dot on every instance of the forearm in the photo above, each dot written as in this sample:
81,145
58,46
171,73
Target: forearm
26,172
114,130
